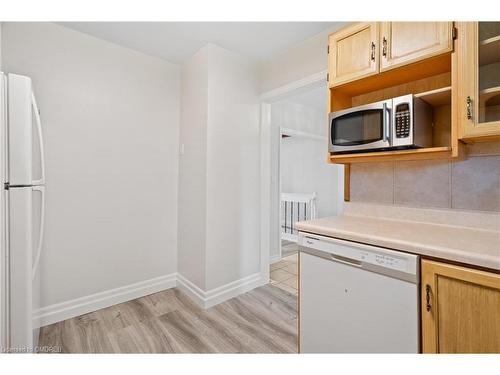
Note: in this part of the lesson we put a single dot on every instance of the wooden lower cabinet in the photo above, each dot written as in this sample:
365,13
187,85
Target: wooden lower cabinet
460,309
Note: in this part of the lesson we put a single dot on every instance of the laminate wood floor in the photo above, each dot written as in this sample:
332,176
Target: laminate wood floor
284,274
261,321
288,248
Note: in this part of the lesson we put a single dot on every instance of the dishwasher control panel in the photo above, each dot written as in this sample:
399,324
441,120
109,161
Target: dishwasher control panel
361,255
384,260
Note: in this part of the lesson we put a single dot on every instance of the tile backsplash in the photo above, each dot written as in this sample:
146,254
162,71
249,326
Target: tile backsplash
469,184
424,182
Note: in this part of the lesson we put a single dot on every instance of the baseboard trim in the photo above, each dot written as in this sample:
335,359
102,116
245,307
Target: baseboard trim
191,289
231,290
69,309
206,299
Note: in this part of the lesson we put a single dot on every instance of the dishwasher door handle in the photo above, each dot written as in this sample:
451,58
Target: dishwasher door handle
309,242
344,260
329,256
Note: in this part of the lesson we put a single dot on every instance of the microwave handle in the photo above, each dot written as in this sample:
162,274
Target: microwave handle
386,123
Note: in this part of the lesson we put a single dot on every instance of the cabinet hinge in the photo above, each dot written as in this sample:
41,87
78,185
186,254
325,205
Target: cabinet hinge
454,33
327,77
327,49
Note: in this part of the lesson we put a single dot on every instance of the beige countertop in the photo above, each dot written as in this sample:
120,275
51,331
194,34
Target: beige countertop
467,245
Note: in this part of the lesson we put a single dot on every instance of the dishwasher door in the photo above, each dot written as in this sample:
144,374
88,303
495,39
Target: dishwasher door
356,298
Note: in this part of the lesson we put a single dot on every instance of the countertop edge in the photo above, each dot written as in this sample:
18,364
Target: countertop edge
446,254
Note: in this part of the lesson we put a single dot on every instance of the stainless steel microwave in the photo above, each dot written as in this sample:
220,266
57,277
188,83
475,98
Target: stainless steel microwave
402,122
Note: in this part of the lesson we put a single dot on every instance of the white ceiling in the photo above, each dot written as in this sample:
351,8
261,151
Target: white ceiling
177,41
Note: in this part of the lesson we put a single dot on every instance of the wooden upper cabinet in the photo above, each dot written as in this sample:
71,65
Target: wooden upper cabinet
460,309
368,48
479,81
353,53
407,42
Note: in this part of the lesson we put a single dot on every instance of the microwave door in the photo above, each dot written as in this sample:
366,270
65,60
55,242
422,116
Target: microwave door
361,128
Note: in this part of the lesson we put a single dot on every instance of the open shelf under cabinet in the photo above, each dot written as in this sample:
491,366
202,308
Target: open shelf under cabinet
410,154
440,100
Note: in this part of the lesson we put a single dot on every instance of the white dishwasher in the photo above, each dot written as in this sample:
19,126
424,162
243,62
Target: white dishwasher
356,298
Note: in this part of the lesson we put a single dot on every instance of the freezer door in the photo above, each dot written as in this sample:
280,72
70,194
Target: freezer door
20,130
25,155
20,260
3,127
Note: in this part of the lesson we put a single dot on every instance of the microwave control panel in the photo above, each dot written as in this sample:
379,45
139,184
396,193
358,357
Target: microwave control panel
403,120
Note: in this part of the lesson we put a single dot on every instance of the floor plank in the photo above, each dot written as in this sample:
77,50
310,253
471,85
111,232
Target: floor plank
284,273
261,321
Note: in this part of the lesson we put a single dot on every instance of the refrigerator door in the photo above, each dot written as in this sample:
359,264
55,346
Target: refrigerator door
20,260
39,225
38,220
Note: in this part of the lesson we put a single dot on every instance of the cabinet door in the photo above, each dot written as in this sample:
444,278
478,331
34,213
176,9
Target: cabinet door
407,42
353,53
479,80
460,309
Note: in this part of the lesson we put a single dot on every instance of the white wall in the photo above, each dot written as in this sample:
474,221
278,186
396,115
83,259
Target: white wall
233,168
193,169
302,60
111,122
219,219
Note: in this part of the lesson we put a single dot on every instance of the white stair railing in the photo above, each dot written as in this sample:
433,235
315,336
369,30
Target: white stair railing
295,207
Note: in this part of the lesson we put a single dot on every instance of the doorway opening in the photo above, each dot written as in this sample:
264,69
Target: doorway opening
303,185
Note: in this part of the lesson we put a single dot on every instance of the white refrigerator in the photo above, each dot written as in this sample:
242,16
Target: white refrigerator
22,212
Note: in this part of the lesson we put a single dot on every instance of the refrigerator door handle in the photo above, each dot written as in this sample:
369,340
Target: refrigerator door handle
41,181
41,189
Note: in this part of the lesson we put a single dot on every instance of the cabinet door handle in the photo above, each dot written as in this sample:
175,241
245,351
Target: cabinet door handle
384,46
373,52
428,297
469,108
